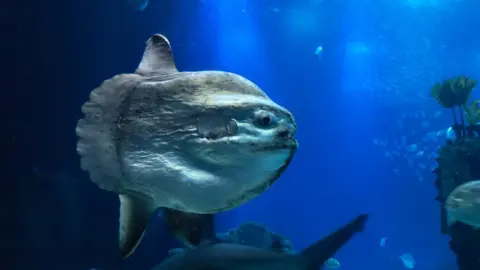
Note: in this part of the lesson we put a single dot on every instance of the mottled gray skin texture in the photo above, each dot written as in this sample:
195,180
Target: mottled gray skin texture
198,142
191,133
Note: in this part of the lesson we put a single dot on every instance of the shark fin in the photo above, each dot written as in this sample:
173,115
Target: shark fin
317,254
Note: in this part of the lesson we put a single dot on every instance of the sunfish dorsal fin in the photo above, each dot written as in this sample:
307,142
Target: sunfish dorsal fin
157,58
135,213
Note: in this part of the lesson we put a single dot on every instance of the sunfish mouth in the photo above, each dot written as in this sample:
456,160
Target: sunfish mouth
289,144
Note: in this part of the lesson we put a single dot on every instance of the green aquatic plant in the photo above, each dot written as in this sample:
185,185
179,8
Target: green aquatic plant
455,92
472,112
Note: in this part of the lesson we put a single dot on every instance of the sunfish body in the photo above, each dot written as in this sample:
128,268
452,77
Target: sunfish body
241,257
197,142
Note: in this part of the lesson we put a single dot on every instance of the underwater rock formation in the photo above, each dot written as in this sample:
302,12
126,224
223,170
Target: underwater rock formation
459,162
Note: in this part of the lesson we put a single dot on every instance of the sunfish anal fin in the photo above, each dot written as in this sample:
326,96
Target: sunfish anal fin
190,228
135,213
157,58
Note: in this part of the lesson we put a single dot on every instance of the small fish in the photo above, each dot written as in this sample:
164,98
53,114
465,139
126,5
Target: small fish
441,133
319,51
419,154
412,148
437,114
332,263
407,260
451,134
383,241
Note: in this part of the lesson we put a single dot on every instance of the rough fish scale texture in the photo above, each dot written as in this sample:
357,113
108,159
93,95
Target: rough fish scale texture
98,131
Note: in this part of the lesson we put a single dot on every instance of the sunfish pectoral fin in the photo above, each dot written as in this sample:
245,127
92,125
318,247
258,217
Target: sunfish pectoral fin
317,254
157,58
190,228
135,212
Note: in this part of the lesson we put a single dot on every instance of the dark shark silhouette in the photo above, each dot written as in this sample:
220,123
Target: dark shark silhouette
212,256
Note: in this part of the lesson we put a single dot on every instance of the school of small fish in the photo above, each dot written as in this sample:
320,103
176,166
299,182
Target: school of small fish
412,143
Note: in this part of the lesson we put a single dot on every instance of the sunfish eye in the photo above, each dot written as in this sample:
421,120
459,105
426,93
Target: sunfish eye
265,121
264,118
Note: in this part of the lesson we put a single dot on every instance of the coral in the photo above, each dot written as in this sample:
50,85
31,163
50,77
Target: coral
453,92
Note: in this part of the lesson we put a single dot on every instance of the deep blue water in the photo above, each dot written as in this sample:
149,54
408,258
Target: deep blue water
379,61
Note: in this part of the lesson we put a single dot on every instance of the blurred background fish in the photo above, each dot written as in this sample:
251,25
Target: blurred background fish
332,263
319,52
139,5
407,260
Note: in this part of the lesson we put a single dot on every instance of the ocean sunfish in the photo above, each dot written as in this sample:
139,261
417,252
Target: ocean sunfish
241,257
198,142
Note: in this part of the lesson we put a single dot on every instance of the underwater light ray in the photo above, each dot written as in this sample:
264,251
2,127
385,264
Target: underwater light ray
238,40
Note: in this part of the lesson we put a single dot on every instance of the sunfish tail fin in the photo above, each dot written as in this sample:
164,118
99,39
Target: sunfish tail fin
317,254
191,229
